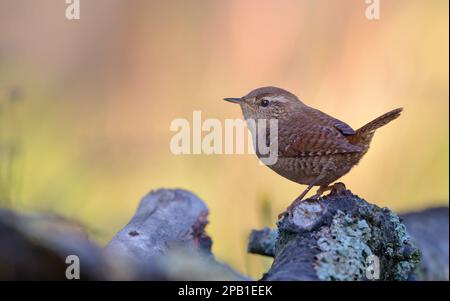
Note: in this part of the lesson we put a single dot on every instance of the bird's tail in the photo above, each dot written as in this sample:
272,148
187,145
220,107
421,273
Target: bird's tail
380,121
365,134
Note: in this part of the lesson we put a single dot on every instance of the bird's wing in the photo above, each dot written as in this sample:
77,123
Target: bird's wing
343,127
320,135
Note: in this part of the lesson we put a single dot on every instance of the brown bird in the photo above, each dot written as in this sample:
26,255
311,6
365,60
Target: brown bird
314,148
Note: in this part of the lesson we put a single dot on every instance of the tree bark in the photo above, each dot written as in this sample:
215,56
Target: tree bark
337,238
169,228
333,238
429,229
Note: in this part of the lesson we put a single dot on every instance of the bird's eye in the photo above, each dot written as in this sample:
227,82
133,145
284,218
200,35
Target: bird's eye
264,102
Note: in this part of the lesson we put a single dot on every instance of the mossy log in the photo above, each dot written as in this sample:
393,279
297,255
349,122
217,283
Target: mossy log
338,236
327,239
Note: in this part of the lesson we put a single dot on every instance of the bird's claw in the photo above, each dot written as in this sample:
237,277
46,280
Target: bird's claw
317,197
338,188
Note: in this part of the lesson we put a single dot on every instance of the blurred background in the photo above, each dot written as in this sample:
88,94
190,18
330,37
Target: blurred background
85,106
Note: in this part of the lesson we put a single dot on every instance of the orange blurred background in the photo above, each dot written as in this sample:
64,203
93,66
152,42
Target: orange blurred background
85,105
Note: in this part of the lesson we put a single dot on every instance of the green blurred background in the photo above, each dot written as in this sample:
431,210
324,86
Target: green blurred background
85,106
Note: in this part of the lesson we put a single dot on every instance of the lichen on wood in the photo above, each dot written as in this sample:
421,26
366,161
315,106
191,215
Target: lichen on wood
333,238
337,237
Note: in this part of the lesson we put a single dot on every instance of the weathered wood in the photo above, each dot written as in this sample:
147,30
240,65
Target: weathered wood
332,239
262,242
328,239
165,240
165,218
429,229
35,247
168,228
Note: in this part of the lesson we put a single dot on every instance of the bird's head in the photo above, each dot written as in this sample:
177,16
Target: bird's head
267,103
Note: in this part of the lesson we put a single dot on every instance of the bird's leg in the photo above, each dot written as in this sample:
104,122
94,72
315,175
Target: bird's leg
336,188
300,197
321,190
322,173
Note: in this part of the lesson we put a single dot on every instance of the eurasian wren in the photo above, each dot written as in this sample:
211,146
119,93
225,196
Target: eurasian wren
314,148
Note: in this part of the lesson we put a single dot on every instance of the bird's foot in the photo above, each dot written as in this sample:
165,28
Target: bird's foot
335,189
338,188
317,197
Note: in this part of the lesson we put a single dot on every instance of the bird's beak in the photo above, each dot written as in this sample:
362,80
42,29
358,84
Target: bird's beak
233,100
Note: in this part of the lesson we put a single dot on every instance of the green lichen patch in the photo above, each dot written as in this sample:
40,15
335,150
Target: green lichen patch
343,249
345,244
